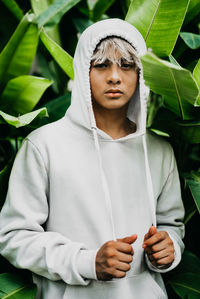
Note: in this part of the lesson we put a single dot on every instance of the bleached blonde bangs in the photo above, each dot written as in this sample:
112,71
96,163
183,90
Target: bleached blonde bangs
110,48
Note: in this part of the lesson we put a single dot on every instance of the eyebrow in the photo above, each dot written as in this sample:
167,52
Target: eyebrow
107,60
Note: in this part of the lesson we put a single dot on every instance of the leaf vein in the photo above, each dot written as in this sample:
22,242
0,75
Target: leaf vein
152,20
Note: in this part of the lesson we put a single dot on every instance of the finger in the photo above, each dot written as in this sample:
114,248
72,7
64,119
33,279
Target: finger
157,237
130,240
123,266
162,254
165,261
126,258
162,245
118,274
124,247
157,247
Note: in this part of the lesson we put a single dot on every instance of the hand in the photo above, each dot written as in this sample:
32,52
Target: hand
159,247
114,257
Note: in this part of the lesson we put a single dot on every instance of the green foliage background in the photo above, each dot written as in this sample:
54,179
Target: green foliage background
37,44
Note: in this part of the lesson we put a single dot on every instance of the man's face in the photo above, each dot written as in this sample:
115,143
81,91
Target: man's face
112,85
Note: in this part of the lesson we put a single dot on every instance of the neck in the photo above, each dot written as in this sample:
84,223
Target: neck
113,122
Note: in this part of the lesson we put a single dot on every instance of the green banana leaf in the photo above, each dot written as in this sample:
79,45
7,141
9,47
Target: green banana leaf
187,131
185,278
159,22
64,60
57,108
99,8
186,285
21,94
190,131
13,287
17,56
175,84
192,40
173,60
196,74
14,8
192,12
91,4
189,214
194,184
81,23
189,263
52,16
46,71
39,7
22,120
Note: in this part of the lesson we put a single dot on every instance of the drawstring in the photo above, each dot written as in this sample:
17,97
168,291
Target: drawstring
104,183
149,182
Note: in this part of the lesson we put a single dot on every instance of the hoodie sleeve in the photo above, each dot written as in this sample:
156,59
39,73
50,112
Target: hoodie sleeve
170,214
23,240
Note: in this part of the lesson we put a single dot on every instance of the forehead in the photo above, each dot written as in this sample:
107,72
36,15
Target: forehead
114,49
112,55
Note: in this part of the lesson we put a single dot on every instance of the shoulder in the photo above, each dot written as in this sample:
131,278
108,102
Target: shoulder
48,133
160,151
158,143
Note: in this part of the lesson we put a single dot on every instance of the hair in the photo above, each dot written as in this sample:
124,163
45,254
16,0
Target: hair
108,49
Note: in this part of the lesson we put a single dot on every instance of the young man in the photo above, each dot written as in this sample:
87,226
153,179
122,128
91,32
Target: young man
93,207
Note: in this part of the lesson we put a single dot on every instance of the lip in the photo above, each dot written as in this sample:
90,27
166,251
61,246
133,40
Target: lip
113,93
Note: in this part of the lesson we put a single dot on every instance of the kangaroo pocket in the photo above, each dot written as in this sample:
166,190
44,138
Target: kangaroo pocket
135,287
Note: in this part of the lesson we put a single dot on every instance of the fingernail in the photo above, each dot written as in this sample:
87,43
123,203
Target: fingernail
144,245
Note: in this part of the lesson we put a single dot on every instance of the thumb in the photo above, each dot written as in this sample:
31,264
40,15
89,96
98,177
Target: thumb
131,239
152,231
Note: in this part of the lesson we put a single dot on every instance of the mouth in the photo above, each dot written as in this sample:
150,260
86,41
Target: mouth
113,93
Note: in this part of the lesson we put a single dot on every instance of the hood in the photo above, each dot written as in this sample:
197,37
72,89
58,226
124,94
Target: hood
80,110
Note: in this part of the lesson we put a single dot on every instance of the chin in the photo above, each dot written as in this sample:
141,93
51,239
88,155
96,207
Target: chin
114,106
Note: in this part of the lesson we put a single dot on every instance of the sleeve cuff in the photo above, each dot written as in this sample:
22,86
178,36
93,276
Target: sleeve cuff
177,259
86,264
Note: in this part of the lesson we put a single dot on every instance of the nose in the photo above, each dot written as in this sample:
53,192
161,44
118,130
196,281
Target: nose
114,76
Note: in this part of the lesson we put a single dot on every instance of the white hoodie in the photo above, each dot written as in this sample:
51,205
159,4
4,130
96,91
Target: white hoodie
73,187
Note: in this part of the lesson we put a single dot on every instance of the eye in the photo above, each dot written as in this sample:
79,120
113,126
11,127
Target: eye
127,66
101,65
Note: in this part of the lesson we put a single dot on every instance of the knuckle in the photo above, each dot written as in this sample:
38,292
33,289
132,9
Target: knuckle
110,252
155,256
160,235
109,244
110,263
154,248
166,234
128,248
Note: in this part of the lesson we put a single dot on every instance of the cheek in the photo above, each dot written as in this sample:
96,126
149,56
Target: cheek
132,85
93,81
